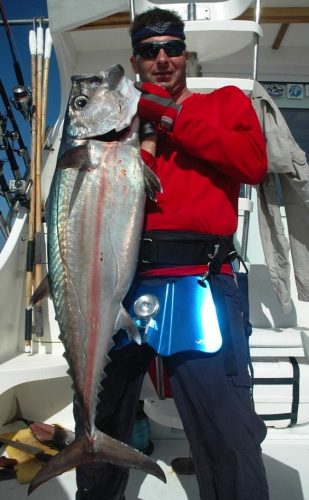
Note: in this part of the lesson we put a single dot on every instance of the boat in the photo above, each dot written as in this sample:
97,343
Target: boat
230,42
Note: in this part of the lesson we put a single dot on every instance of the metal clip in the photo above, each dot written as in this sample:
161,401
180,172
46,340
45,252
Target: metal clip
202,281
148,240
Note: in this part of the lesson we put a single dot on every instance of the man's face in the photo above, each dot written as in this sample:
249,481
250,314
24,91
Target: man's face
168,72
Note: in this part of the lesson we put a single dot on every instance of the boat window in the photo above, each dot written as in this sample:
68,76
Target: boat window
298,122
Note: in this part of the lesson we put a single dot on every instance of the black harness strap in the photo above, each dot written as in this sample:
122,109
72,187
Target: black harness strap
294,381
161,249
177,248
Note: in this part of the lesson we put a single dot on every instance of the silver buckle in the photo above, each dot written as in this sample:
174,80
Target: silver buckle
149,240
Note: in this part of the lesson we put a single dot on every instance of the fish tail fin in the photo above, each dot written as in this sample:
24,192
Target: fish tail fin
103,449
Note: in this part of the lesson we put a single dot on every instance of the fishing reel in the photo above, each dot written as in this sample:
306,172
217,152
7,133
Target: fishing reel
22,101
19,191
3,142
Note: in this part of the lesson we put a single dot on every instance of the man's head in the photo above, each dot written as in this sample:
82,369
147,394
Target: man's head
159,51
156,22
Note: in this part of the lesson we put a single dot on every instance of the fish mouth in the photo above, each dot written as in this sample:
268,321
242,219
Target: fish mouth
110,136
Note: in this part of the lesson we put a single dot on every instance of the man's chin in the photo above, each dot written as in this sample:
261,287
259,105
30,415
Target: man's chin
163,83
163,80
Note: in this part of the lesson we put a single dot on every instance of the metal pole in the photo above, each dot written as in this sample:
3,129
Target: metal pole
256,45
248,188
191,11
132,10
132,17
19,22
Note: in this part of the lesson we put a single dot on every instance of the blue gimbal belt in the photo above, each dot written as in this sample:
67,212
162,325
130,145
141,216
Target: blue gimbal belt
173,315
176,314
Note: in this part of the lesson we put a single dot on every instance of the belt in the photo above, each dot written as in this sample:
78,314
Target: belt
174,248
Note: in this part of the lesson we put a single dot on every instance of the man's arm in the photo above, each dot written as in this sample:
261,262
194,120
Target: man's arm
224,131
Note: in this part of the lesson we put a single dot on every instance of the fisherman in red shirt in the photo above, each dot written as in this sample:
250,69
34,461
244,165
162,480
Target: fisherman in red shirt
202,147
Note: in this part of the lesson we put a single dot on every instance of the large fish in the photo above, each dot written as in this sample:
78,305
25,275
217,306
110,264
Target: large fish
95,218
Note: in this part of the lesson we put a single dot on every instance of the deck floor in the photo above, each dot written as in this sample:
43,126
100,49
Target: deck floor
286,465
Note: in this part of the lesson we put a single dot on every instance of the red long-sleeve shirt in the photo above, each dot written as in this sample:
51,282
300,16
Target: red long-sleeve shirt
216,144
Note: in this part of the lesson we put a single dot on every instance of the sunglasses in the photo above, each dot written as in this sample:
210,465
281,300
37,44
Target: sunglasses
150,50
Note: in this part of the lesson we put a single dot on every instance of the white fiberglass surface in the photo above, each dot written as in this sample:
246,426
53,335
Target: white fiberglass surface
285,462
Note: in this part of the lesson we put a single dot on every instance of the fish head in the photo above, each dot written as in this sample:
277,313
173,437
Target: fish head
100,104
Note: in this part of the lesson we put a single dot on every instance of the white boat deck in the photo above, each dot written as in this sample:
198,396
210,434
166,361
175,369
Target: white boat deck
23,368
285,460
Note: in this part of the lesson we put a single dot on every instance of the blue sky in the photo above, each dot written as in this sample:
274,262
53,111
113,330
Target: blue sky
19,9
24,9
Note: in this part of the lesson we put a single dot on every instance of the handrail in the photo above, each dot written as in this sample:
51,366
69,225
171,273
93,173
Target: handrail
18,22
248,188
214,10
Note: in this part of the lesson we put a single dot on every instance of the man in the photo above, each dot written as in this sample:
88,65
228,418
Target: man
202,147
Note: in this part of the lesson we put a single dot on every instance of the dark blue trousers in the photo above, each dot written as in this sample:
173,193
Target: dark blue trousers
213,398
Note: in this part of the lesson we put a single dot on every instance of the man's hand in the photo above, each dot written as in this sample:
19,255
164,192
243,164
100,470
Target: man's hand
156,105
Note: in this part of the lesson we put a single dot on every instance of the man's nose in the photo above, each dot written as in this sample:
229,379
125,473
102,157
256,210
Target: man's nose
162,56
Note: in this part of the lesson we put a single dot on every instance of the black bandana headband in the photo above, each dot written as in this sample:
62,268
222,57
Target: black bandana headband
159,29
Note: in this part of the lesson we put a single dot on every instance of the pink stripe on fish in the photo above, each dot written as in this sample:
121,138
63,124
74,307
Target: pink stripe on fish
95,281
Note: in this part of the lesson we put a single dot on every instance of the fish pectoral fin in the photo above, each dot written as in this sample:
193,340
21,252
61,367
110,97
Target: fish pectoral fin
152,183
77,186
125,322
40,293
102,448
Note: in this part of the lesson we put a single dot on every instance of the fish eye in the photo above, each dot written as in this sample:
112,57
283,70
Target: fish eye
80,101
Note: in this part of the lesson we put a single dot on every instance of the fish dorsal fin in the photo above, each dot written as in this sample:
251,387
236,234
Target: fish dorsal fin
125,322
41,292
152,183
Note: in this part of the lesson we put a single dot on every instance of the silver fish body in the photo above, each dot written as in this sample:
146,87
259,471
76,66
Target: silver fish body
95,218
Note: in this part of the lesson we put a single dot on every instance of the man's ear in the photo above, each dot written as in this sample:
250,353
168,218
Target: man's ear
134,64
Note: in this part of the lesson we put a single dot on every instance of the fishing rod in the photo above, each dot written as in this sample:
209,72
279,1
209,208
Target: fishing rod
5,190
6,146
22,150
16,64
16,192
40,57
30,104
248,187
22,94
4,227
38,227
31,216
47,54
